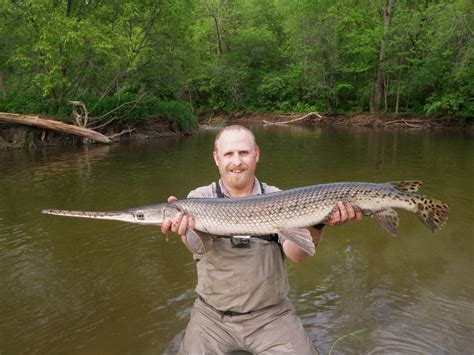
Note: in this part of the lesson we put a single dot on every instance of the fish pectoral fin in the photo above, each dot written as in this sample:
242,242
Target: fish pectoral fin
301,237
194,242
388,219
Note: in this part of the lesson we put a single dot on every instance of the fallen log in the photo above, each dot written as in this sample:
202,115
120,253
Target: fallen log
407,124
53,125
309,115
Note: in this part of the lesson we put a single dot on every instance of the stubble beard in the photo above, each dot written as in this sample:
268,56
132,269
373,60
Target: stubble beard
240,181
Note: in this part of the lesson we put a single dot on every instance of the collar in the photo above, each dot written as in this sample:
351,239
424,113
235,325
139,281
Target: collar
256,188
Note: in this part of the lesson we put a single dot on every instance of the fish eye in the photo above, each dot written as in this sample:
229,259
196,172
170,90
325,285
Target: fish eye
140,216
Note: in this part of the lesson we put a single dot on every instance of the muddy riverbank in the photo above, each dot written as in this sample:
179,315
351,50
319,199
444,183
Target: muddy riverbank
14,136
350,120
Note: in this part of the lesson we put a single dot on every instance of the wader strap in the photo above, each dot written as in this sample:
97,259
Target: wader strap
222,313
219,192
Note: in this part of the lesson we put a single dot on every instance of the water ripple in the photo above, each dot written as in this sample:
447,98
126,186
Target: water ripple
84,286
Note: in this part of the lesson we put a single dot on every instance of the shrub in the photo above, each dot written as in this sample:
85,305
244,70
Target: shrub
131,108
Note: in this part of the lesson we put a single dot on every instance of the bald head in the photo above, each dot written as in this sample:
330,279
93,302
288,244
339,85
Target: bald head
234,128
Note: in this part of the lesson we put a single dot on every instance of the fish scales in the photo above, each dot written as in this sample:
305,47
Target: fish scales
285,210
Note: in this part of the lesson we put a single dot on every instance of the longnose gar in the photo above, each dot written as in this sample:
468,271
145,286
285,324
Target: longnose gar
282,211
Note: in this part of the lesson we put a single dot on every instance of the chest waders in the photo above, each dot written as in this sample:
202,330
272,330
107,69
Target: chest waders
253,278
243,297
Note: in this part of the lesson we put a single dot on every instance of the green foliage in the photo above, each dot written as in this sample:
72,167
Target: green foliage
217,89
28,103
136,108
451,103
431,53
172,111
223,56
278,91
133,108
126,108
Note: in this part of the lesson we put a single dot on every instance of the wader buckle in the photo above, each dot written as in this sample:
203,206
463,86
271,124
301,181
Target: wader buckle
240,241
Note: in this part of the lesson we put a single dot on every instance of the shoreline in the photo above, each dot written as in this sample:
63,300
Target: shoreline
386,121
16,136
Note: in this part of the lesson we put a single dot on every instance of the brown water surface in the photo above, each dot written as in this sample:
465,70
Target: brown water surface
78,286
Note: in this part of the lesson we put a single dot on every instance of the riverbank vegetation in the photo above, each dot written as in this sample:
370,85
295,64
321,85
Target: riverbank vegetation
169,58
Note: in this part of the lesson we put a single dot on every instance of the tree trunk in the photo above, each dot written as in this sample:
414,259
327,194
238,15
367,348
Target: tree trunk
397,101
219,36
215,15
68,8
2,87
376,99
54,125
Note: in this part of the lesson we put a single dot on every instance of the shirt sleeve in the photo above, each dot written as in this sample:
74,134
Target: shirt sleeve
202,192
269,188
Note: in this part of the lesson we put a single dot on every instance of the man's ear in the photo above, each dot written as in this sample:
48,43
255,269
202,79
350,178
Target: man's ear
214,155
258,154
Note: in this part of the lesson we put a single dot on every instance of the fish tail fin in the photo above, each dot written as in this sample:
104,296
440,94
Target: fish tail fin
407,185
432,212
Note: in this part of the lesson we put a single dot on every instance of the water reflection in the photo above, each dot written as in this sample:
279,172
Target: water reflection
85,286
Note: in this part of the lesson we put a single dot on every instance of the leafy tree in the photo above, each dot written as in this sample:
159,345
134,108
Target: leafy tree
246,55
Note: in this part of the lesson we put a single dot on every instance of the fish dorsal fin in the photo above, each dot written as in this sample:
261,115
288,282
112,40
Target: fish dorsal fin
388,219
407,185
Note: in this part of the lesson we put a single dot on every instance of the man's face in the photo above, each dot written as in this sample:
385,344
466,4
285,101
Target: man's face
236,157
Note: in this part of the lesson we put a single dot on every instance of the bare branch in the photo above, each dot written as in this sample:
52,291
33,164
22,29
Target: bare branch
78,116
406,123
309,115
104,124
130,130
120,106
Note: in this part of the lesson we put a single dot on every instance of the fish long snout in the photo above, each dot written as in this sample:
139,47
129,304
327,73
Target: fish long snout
124,216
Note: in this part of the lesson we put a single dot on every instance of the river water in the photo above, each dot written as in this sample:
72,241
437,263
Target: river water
76,286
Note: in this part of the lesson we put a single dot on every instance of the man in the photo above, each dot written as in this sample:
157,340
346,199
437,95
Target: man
242,284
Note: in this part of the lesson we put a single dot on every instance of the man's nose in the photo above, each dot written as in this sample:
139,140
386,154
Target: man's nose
236,159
